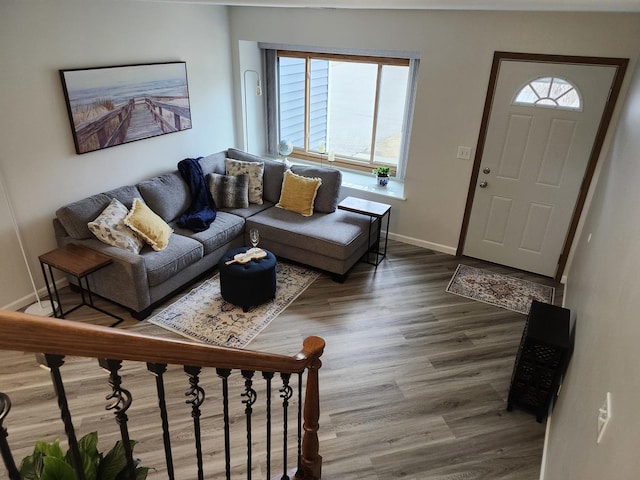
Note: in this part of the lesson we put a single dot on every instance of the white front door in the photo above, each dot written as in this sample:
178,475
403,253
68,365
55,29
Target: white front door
538,144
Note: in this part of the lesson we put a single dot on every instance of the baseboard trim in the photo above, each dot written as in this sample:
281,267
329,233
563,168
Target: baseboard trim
31,298
423,243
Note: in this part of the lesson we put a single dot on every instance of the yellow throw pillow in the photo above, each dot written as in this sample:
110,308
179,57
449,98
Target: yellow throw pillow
298,193
153,229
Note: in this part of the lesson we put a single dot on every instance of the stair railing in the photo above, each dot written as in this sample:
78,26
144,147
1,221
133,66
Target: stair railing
58,338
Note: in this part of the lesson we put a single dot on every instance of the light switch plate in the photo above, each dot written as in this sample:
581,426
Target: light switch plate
464,153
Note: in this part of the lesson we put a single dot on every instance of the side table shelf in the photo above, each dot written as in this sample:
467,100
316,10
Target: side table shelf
79,262
375,211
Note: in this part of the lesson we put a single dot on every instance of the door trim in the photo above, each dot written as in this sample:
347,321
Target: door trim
498,57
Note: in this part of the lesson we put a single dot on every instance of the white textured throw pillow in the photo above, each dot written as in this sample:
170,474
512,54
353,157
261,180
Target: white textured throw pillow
109,228
254,170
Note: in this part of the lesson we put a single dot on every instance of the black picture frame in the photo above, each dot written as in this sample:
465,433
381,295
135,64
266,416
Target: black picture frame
110,106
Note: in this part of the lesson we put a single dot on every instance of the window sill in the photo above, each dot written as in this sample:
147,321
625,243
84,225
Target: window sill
365,182
369,183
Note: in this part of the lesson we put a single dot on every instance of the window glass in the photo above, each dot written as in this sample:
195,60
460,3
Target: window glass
391,105
291,99
549,92
352,93
353,107
318,114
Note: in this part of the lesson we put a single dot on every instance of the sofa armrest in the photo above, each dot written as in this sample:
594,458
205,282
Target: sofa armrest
124,281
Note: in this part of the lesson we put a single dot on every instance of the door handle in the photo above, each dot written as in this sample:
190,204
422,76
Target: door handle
486,170
483,184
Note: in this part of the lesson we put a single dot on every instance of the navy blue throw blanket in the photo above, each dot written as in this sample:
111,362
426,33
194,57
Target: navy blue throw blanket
202,211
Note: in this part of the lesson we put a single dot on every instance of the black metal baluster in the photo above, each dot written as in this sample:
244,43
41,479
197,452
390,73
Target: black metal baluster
224,373
158,370
286,392
250,398
53,363
299,472
121,401
268,376
5,407
197,399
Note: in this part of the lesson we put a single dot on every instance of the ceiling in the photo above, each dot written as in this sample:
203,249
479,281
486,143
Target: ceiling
514,5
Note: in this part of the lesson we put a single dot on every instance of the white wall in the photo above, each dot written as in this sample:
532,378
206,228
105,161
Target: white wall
603,294
457,49
37,155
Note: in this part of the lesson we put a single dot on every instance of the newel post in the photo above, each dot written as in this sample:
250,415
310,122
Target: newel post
311,461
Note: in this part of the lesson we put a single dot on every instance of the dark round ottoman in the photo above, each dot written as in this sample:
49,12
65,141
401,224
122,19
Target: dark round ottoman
249,284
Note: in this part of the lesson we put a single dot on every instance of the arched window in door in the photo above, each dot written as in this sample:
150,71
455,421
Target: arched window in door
550,92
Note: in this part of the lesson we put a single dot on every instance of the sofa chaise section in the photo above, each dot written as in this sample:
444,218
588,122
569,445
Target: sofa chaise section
332,242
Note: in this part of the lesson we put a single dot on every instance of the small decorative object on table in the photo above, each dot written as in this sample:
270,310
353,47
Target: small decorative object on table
383,175
285,148
254,237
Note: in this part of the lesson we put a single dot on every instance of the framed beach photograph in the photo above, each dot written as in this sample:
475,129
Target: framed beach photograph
110,106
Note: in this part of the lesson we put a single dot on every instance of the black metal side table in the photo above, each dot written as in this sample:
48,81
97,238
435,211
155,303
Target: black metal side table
376,211
80,262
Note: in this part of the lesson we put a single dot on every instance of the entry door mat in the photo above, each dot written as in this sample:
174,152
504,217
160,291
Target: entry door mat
499,290
203,315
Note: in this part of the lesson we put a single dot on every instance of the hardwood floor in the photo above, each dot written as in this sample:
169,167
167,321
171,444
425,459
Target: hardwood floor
413,384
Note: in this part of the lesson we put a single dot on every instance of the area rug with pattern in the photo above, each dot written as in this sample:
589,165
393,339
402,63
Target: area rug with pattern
202,314
500,290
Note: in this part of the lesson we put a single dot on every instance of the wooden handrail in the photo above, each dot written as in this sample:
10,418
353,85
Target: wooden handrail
30,333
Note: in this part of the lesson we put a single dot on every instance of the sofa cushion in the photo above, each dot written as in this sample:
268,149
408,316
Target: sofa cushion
179,254
251,210
327,198
126,195
167,195
337,235
214,163
109,228
153,230
298,193
273,173
229,191
75,216
225,228
254,171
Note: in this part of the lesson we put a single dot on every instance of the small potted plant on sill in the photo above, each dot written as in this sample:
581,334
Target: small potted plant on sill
383,175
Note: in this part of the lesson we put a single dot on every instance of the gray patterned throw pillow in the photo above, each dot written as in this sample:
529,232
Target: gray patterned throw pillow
229,191
109,228
254,170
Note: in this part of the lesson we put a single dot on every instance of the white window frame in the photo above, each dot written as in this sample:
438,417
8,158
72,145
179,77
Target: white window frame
271,64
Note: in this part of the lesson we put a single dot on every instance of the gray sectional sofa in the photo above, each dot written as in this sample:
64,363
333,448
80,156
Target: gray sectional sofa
331,240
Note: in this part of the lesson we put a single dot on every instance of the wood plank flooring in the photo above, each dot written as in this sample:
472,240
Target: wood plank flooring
413,384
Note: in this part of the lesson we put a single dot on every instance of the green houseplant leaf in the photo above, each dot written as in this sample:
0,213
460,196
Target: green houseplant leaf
114,462
49,463
31,466
57,469
50,449
88,446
